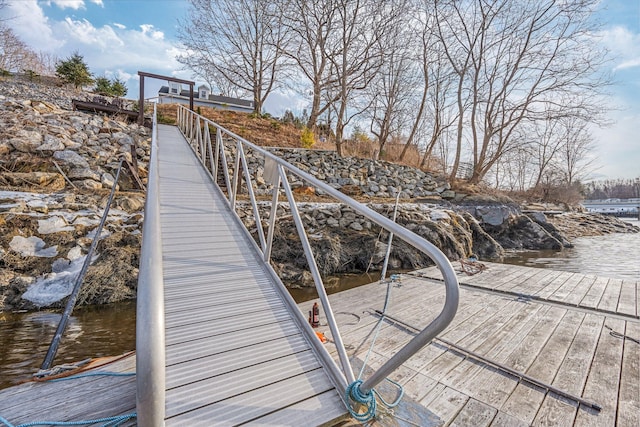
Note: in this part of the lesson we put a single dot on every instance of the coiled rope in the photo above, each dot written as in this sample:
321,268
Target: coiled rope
107,422
353,393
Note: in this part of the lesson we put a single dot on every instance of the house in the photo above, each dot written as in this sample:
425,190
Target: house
175,93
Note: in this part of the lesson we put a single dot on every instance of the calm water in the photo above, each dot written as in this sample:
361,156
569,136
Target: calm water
611,255
109,330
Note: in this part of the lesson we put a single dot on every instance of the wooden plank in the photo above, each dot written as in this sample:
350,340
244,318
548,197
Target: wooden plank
594,294
567,288
572,374
536,285
627,302
628,414
528,275
552,286
503,419
474,413
580,291
493,387
603,378
524,402
446,404
530,285
611,296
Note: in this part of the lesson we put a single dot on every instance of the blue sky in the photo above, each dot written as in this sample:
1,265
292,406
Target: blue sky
121,37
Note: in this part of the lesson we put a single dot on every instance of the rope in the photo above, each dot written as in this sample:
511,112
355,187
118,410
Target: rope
368,400
622,336
95,374
107,422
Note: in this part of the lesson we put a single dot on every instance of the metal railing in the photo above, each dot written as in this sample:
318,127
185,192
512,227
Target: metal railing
197,130
150,340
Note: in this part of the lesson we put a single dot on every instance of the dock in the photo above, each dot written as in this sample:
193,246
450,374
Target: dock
579,333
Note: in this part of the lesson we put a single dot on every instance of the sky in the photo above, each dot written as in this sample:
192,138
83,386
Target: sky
118,38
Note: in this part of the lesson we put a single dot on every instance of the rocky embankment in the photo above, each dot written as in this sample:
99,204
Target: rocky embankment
57,167
56,170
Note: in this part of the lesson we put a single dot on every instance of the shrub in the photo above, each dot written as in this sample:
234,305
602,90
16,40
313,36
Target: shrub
74,70
306,138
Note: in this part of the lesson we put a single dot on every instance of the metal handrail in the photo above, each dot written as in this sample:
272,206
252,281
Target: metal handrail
186,123
150,340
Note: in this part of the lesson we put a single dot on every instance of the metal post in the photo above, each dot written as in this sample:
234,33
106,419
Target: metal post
322,293
71,302
141,102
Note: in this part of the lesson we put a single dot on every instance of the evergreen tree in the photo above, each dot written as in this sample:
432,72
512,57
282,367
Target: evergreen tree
74,70
118,88
103,86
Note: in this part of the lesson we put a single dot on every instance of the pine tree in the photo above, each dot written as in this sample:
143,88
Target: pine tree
74,70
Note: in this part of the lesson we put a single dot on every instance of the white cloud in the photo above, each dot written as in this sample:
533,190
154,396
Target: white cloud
120,26
618,146
624,44
32,26
68,4
98,2
147,29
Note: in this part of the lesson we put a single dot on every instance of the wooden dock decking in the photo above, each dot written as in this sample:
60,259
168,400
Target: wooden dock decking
560,328
86,398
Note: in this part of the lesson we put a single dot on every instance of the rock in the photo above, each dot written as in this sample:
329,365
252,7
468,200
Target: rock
493,215
448,194
107,180
89,184
51,143
83,173
26,141
71,158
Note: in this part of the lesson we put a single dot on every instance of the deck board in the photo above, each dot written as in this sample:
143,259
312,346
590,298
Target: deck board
562,342
83,398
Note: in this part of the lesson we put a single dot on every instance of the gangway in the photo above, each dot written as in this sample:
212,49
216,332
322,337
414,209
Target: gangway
219,339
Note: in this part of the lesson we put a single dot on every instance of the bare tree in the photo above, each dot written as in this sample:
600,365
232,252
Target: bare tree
236,42
313,30
360,25
15,55
516,60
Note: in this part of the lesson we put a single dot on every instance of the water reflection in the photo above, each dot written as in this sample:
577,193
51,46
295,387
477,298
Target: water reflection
91,332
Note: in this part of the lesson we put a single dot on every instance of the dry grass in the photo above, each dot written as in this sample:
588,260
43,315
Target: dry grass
270,132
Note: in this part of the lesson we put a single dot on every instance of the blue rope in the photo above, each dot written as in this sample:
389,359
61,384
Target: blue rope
94,374
108,422
353,392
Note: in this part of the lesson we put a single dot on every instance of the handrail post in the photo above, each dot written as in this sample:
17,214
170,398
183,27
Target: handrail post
317,279
150,340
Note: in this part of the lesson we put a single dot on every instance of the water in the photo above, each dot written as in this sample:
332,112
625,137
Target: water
92,332
110,330
612,255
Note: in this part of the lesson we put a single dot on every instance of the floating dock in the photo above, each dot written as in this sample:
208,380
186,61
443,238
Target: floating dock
578,333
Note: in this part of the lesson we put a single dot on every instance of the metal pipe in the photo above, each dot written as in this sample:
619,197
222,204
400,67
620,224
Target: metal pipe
71,302
322,293
383,274
272,218
252,198
520,375
150,322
